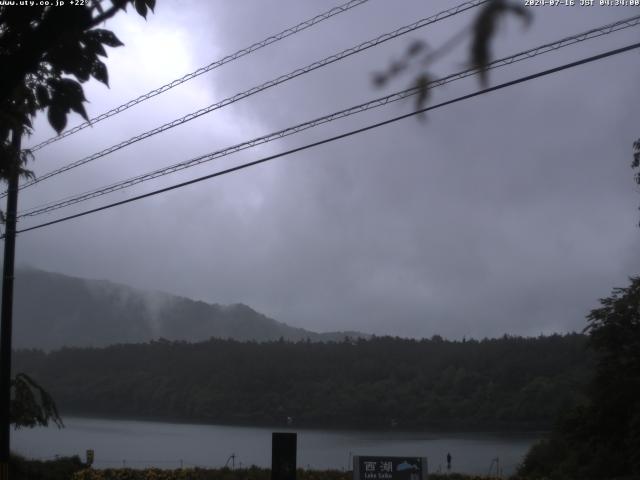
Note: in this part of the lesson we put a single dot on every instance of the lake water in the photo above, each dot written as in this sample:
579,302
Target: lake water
140,444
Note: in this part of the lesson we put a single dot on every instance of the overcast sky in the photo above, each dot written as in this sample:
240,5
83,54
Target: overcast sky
509,213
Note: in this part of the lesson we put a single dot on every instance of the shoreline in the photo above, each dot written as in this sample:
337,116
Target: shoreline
434,429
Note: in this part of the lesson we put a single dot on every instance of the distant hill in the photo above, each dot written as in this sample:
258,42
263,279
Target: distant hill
53,310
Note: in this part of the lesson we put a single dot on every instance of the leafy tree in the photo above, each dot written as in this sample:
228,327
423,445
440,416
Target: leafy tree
614,415
600,439
46,52
31,405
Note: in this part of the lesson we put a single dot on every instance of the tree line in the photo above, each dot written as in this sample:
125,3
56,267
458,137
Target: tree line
600,438
383,382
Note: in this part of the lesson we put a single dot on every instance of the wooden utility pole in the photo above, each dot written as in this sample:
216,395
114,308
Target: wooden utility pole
7,305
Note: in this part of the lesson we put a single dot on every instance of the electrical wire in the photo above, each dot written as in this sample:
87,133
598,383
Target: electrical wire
341,136
527,54
271,83
218,63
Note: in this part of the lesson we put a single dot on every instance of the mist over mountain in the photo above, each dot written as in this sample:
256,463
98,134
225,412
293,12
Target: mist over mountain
52,310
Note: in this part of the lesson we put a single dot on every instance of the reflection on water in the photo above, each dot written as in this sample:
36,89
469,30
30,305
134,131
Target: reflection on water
169,445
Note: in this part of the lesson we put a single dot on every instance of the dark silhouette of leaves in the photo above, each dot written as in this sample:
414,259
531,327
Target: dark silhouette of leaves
141,7
422,84
100,73
379,79
94,46
7,158
484,28
42,94
105,37
40,48
67,95
46,53
57,117
31,405
397,67
416,47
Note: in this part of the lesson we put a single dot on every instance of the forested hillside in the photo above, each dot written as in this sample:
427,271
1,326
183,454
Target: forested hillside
54,310
511,382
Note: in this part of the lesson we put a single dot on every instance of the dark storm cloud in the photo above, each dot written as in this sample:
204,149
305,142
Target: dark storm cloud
512,212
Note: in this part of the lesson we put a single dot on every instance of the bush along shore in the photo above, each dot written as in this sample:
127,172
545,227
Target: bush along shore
72,468
63,468
228,474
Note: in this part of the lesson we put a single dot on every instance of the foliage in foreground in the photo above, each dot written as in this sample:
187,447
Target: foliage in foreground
60,469
31,405
253,473
72,468
601,439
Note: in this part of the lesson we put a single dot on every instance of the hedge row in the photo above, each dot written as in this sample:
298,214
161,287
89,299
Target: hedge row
226,474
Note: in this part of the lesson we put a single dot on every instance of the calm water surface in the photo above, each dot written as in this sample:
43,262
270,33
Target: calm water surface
140,444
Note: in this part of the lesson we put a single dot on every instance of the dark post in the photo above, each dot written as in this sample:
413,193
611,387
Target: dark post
90,457
283,456
7,307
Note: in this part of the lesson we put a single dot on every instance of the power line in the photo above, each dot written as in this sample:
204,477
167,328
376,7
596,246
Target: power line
218,63
341,136
543,49
271,83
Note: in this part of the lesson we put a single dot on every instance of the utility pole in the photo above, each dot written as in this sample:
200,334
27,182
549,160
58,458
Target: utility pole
7,305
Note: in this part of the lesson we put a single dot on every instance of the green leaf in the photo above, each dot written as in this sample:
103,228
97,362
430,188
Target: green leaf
82,70
67,90
57,118
106,37
79,109
73,58
100,73
94,46
74,95
141,7
67,94
42,94
121,4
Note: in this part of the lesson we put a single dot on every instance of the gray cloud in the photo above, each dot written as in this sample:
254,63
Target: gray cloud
509,213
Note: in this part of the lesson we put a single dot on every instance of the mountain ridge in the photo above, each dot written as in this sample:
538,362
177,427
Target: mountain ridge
53,310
